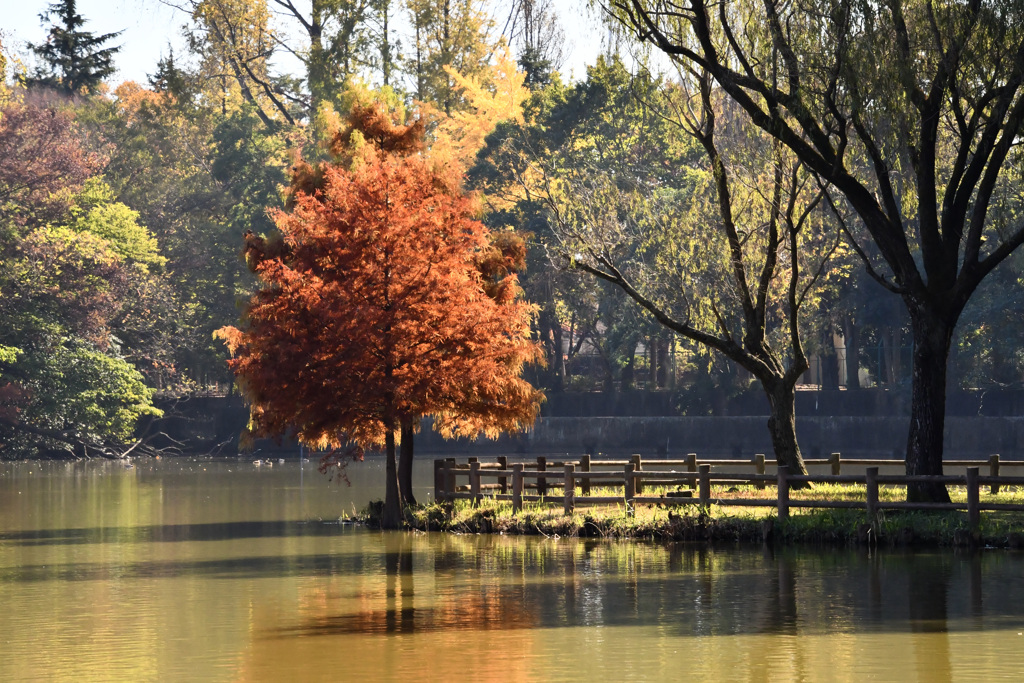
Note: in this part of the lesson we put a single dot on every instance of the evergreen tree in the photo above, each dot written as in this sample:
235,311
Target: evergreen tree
169,77
73,60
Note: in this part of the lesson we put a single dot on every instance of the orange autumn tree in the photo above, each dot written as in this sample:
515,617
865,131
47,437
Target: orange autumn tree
383,300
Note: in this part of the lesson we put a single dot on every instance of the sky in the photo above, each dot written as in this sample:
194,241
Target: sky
150,27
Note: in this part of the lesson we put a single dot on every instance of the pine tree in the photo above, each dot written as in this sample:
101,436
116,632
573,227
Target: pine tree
73,60
169,77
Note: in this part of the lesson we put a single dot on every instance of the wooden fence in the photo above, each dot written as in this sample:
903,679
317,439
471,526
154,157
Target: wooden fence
512,483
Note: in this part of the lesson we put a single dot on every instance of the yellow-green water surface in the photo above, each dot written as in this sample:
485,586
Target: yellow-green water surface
197,569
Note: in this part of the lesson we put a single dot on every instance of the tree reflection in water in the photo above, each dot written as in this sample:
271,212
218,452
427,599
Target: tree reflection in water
398,568
510,603
928,577
250,588
433,582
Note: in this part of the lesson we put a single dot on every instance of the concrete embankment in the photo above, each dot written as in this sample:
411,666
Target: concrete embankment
205,423
879,437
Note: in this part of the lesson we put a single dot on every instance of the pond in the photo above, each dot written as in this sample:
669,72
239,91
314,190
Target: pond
204,569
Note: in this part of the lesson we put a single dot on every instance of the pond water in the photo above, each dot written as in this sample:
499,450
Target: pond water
196,569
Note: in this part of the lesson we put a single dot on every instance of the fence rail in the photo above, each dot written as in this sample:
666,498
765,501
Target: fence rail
511,482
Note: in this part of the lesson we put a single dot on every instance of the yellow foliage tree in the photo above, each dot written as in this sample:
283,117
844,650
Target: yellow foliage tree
235,39
496,96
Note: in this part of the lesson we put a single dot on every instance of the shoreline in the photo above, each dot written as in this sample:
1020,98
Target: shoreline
822,528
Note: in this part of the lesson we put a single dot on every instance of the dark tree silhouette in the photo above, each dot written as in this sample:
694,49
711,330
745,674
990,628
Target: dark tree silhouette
73,60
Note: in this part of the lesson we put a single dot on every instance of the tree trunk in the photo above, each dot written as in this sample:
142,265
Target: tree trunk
405,464
316,72
558,357
446,51
551,334
932,339
391,517
851,337
829,367
897,354
385,47
419,60
782,426
608,370
662,355
889,372
652,363
628,373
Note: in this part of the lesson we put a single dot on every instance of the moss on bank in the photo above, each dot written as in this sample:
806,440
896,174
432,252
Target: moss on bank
838,527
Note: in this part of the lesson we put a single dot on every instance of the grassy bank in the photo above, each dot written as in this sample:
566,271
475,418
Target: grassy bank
841,527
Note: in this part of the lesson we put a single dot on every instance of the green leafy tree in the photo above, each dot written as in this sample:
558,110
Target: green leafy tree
74,390
717,235
343,40
539,39
198,181
599,124
726,264
337,42
73,294
96,212
912,113
235,40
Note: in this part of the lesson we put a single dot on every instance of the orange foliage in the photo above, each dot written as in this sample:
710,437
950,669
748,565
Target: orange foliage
504,256
370,134
374,125
132,98
385,300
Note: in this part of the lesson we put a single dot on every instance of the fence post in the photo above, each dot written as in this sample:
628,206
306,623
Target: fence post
438,480
474,482
542,482
585,467
871,498
783,483
449,487
705,485
517,487
759,467
570,489
637,468
993,469
837,466
630,489
503,481
449,479
973,499
691,466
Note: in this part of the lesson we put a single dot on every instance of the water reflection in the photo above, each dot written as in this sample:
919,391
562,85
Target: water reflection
170,533
184,573
398,567
241,567
434,582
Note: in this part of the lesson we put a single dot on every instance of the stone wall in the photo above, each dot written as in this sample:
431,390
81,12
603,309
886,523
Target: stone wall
878,437
205,424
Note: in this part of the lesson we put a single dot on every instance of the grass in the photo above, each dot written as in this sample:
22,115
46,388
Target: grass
744,524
